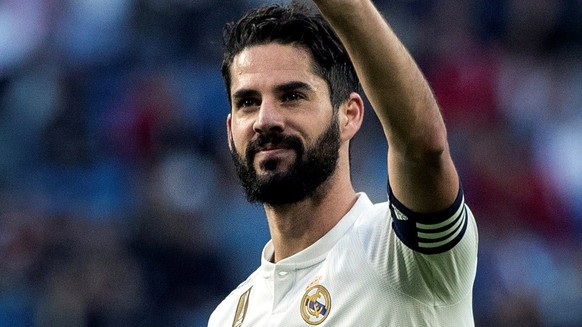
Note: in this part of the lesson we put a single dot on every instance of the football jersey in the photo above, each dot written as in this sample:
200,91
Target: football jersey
381,265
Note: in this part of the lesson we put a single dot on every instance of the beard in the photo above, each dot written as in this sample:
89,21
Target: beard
312,167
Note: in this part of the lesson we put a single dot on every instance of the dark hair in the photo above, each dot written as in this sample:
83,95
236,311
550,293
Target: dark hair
297,25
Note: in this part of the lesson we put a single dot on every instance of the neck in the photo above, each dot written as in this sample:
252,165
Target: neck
296,226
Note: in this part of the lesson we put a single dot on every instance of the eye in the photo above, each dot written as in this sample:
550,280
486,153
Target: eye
247,102
292,96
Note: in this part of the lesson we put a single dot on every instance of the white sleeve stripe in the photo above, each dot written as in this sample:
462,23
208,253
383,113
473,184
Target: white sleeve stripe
428,245
444,233
446,222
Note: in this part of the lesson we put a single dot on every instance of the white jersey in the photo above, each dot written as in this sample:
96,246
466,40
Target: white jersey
381,265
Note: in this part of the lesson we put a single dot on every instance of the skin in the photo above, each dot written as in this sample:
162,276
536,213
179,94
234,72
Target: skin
274,88
420,169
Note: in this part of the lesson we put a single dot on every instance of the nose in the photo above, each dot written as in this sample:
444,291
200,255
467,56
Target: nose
269,119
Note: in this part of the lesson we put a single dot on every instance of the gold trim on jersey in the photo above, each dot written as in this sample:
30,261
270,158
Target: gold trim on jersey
315,305
241,308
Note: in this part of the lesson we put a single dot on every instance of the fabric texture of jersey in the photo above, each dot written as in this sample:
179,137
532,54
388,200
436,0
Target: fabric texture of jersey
381,265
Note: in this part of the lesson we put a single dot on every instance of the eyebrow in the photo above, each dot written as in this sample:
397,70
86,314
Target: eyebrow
244,93
293,86
282,88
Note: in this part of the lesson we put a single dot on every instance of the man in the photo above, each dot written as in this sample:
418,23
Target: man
336,259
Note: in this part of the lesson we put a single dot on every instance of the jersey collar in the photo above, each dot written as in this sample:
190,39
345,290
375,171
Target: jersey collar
316,252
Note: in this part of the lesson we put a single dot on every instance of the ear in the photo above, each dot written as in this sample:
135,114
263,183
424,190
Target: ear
351,115
229,130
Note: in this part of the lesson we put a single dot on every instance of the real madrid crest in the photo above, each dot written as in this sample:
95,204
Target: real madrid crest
315,304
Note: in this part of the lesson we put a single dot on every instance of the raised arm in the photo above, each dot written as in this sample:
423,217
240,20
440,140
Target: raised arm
421,173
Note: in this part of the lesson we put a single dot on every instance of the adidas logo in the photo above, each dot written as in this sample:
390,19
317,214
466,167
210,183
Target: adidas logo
399,215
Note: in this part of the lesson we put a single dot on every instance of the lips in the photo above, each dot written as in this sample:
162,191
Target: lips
273,151
268,147
273,145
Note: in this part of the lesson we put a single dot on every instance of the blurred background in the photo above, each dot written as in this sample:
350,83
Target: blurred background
118,201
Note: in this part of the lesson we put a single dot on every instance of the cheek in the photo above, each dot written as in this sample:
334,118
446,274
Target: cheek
240,134
317,130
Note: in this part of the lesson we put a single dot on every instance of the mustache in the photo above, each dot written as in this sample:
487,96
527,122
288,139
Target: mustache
277,140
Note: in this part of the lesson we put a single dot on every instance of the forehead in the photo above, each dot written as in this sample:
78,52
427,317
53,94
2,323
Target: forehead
272,64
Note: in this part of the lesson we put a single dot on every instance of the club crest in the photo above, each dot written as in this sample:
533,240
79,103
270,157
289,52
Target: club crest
315,304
